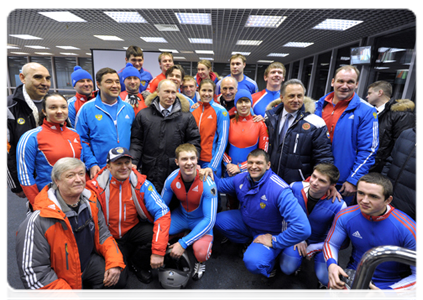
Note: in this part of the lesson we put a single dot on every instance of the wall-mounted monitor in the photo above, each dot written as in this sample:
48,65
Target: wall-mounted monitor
361,55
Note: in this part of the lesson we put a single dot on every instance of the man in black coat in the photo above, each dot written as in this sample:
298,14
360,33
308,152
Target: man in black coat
394,117
159,129
305,143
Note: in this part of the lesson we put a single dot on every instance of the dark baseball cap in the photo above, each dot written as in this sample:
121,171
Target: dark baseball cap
116,153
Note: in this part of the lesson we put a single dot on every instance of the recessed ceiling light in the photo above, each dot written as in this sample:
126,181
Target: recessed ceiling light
200,41
265,61
337,24
186,51
125,17
297,44
242,53
62,16
194,18
68,53
25,37
108,37
154,39
36,47
249,42
169,50
206,58
12,46
166,27
20,53
68,47
43,53
278,54
264,21
204,52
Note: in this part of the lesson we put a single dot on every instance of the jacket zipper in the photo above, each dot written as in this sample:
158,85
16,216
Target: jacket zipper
67,256
73,150
296,142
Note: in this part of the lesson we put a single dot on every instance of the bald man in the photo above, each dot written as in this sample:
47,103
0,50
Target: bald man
23,107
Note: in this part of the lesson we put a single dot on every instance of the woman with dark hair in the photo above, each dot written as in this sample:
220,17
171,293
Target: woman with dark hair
204,71
39,149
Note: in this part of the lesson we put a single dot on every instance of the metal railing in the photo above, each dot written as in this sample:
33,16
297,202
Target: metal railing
375,256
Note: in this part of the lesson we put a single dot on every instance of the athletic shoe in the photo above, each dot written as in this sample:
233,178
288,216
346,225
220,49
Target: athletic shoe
199,270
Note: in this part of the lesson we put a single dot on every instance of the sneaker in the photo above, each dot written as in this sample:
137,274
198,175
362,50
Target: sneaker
199,270
145,276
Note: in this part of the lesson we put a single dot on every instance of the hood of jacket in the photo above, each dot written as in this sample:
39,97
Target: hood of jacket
402,105
185,106
309,105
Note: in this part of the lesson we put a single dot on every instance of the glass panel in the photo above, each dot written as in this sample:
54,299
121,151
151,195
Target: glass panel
46,62
306,74
343,57
186,65
295,70
86,63
64,68
15,64
322,71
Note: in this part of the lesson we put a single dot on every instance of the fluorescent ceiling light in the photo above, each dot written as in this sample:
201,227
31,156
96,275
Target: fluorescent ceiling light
20,53
68,47
62,16
43,53
337,24
242,53
344,58
25,37
166,27
68,53
194,18
12,47
200,41
278,54
204,52
381,68
36,47
297,44
385,49
249,42
169,50
187,51
108,37
125,17
206,58
265,61
179,58
264,21
154,39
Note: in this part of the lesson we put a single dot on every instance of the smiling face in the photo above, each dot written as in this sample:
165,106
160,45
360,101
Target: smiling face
132,84
188,88
187,162
84,87
71,183
206,92
109,87
228,88
165,63
274,78
121,168
176,77
56,109
293,97
37,80
243,107
136,61
344,85
257,166
203,71
371,199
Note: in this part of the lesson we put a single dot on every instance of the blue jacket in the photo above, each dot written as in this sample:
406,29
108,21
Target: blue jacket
355,140
268,206
98,132
145,75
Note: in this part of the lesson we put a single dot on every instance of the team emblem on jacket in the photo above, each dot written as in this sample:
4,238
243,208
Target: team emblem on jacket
262,205
99,117
150,188
21,121
178,185
306,126
375,115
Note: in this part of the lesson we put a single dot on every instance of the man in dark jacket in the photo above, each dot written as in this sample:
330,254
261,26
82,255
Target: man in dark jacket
402,172
159,129
394,117
305,143
24,107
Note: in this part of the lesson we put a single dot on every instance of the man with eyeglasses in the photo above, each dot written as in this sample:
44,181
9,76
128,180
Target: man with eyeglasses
65,242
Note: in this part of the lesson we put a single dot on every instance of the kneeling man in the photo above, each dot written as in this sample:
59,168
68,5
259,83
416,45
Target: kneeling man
65,242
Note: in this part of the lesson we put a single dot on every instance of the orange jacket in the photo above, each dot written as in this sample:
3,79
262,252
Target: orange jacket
47,252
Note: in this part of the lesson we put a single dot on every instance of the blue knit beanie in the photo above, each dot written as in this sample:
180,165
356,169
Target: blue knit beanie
78,74
242,93
130,70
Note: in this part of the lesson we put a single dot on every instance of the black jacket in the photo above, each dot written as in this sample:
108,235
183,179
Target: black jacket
20,119
402,172
397,116
306,142
154,138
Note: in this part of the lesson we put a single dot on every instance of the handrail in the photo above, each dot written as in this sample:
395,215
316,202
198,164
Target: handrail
377,255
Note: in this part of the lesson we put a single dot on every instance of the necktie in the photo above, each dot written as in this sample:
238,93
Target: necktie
284,128
165,112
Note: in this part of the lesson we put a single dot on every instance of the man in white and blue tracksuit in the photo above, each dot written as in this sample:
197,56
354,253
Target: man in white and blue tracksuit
105,122
269,214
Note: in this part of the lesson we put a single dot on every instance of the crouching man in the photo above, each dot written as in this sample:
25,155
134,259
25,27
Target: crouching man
65,242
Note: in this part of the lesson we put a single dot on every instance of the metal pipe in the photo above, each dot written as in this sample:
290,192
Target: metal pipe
375,256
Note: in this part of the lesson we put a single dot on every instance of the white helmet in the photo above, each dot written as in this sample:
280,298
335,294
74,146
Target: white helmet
175,273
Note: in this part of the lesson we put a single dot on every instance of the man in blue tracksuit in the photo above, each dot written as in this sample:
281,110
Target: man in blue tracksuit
269,214
353,129
104,123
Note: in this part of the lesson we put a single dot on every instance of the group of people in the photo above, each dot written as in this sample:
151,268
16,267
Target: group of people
116,178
